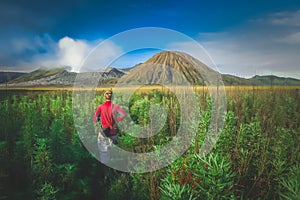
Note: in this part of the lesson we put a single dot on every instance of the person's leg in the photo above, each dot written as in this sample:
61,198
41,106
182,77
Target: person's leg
114,139
104,144
114,135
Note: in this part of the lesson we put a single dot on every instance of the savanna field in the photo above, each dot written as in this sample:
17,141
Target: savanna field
256,156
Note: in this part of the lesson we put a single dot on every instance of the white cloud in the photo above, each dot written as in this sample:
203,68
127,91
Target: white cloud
79,55
26,51
293,38
259,47
101,56
246,60
291,18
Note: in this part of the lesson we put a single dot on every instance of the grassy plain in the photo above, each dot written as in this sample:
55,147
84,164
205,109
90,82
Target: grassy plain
154,87
256,156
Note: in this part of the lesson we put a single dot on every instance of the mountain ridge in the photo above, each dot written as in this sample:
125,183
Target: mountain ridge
168,67
59,77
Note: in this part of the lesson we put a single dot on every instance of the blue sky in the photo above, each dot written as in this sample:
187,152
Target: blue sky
243,38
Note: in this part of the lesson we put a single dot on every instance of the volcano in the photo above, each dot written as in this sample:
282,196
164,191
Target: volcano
171,67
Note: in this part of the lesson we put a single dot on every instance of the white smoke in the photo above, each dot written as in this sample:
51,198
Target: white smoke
77,54
72,52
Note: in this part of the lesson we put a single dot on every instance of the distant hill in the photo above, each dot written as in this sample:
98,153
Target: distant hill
37,74
257,80
274,80
8,76
235,80
169,67
61,77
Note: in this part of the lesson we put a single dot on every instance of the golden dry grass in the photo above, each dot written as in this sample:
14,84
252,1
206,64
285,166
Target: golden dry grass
155,87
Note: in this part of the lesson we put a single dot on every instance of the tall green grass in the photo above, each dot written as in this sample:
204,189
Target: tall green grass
256,156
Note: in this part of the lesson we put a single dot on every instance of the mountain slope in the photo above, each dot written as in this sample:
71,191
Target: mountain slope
8,76
274,80
37,74
171,67
235,80
61,77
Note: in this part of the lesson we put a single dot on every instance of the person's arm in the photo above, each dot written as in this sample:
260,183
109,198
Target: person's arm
97,113
121,113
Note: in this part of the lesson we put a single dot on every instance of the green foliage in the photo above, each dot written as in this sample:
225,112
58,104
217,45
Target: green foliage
139,111
139,184
228,136
57,141
204,177
118,189
42,162
47,192
176,191
256,155
290,184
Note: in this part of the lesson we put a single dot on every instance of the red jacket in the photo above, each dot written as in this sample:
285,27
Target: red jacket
109,113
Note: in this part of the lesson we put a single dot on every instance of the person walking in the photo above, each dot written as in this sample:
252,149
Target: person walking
108,114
